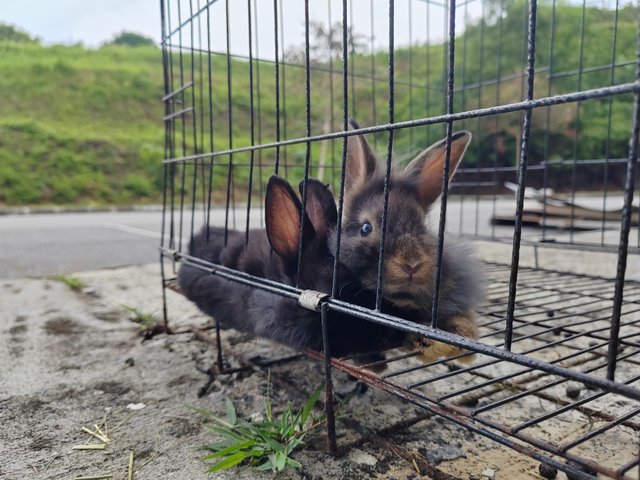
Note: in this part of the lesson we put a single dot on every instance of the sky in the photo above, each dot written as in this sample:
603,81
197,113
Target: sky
86,21
94,22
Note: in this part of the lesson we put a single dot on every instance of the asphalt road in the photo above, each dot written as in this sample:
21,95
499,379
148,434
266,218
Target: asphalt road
50,244
57,243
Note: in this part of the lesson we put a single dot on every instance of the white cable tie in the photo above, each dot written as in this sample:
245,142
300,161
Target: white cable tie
311,299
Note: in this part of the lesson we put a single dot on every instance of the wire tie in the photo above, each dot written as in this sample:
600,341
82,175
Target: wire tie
172,254
311,299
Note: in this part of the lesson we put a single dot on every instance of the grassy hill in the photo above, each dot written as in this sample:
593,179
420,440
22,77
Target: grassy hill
82,125
79,125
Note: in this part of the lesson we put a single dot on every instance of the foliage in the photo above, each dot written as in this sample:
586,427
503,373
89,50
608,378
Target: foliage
11,33
327,43
79,125
84,126
145,320
73,283
266,444
131,39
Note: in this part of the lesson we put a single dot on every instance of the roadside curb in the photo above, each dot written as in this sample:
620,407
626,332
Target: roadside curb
57,209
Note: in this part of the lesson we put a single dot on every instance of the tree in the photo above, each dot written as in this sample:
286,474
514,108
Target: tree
326,43
11,33
326,46
131,39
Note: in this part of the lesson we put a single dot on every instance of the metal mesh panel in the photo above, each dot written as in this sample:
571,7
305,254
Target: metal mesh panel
549,91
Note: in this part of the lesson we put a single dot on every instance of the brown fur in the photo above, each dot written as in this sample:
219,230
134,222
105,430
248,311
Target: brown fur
410,249
430,350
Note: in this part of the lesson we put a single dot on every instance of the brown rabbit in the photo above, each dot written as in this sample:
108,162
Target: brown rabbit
410,248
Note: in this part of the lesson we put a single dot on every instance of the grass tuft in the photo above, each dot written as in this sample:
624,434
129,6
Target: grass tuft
145,320
71,282
263,445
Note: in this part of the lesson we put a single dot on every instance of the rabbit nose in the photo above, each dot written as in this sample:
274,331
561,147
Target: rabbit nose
410,269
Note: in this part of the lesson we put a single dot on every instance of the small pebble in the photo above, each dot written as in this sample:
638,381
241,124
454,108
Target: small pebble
130,362
557,330
551,313
362,457
548,471
91,292
489,473
256,417
572,391
593,343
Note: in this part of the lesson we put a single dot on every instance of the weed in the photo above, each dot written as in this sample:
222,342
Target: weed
264,445
71,282
145,320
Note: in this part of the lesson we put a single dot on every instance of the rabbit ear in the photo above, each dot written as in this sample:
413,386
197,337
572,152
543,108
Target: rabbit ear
321,207
361,161
425,171
282,218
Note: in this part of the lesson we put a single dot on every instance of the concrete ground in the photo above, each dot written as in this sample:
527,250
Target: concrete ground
74,359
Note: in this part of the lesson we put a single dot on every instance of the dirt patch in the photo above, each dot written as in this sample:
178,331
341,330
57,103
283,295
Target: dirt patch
29,406
181,380
112,387
42,442
17,329
111,316
16,351
63,326
180,426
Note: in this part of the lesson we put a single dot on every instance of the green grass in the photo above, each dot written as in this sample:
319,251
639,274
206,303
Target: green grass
263,445
84,126
73,283
80,126
144,319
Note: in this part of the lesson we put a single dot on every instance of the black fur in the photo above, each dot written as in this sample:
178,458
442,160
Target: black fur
264,314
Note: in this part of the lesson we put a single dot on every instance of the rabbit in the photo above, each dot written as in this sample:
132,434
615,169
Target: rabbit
268,315
256,256
410,248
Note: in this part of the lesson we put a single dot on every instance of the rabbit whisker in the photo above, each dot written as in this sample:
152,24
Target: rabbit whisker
344,285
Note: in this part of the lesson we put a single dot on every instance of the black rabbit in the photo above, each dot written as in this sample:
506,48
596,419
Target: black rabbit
252,310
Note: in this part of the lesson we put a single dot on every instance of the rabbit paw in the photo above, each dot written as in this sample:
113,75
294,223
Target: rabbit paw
431,350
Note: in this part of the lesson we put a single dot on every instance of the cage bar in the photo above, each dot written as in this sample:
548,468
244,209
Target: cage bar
243,102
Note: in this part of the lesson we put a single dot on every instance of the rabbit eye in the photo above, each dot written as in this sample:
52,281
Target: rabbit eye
366,229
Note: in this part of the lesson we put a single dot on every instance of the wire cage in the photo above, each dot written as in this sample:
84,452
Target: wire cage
549,91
